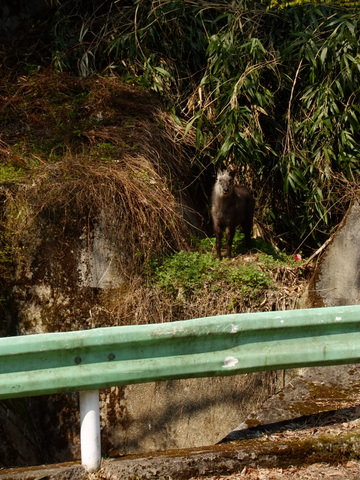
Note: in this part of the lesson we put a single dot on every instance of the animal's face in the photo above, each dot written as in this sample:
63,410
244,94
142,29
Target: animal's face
225,183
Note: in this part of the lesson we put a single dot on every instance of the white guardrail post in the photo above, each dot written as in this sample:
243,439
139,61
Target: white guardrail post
90,430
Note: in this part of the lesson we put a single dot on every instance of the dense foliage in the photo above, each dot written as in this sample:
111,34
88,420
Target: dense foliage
272,87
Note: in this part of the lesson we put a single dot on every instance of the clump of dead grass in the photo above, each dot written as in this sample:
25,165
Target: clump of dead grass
136,209
50,115
97,150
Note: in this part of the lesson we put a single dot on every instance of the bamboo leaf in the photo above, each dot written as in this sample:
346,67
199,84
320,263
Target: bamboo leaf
323,55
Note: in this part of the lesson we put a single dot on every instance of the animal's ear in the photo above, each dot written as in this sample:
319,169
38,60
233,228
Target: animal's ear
219,172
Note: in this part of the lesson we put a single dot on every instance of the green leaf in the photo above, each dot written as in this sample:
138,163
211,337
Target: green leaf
163,71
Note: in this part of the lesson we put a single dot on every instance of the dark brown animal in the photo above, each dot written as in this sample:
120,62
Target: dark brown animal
231,206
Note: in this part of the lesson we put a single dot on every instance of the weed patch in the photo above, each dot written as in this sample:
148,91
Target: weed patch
249,281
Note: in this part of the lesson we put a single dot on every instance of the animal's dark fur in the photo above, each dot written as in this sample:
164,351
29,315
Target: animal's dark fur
231,206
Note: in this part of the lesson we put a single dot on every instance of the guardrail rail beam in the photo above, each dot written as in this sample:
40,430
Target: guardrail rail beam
89,360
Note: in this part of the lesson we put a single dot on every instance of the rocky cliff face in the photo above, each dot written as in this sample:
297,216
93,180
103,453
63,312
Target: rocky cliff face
337,278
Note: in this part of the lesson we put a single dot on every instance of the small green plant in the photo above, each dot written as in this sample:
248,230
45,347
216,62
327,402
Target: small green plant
186,272
8,173
204,244
6,255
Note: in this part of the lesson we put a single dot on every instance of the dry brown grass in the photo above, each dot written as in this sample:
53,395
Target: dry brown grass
136,208
96,150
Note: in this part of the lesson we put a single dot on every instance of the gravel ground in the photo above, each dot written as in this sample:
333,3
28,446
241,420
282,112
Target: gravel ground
318,471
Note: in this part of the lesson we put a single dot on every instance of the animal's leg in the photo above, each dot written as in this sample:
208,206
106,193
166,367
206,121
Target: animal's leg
247,229
247,232
230,232
218,235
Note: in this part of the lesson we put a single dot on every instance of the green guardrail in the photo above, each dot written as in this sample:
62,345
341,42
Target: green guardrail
213,346
86,361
